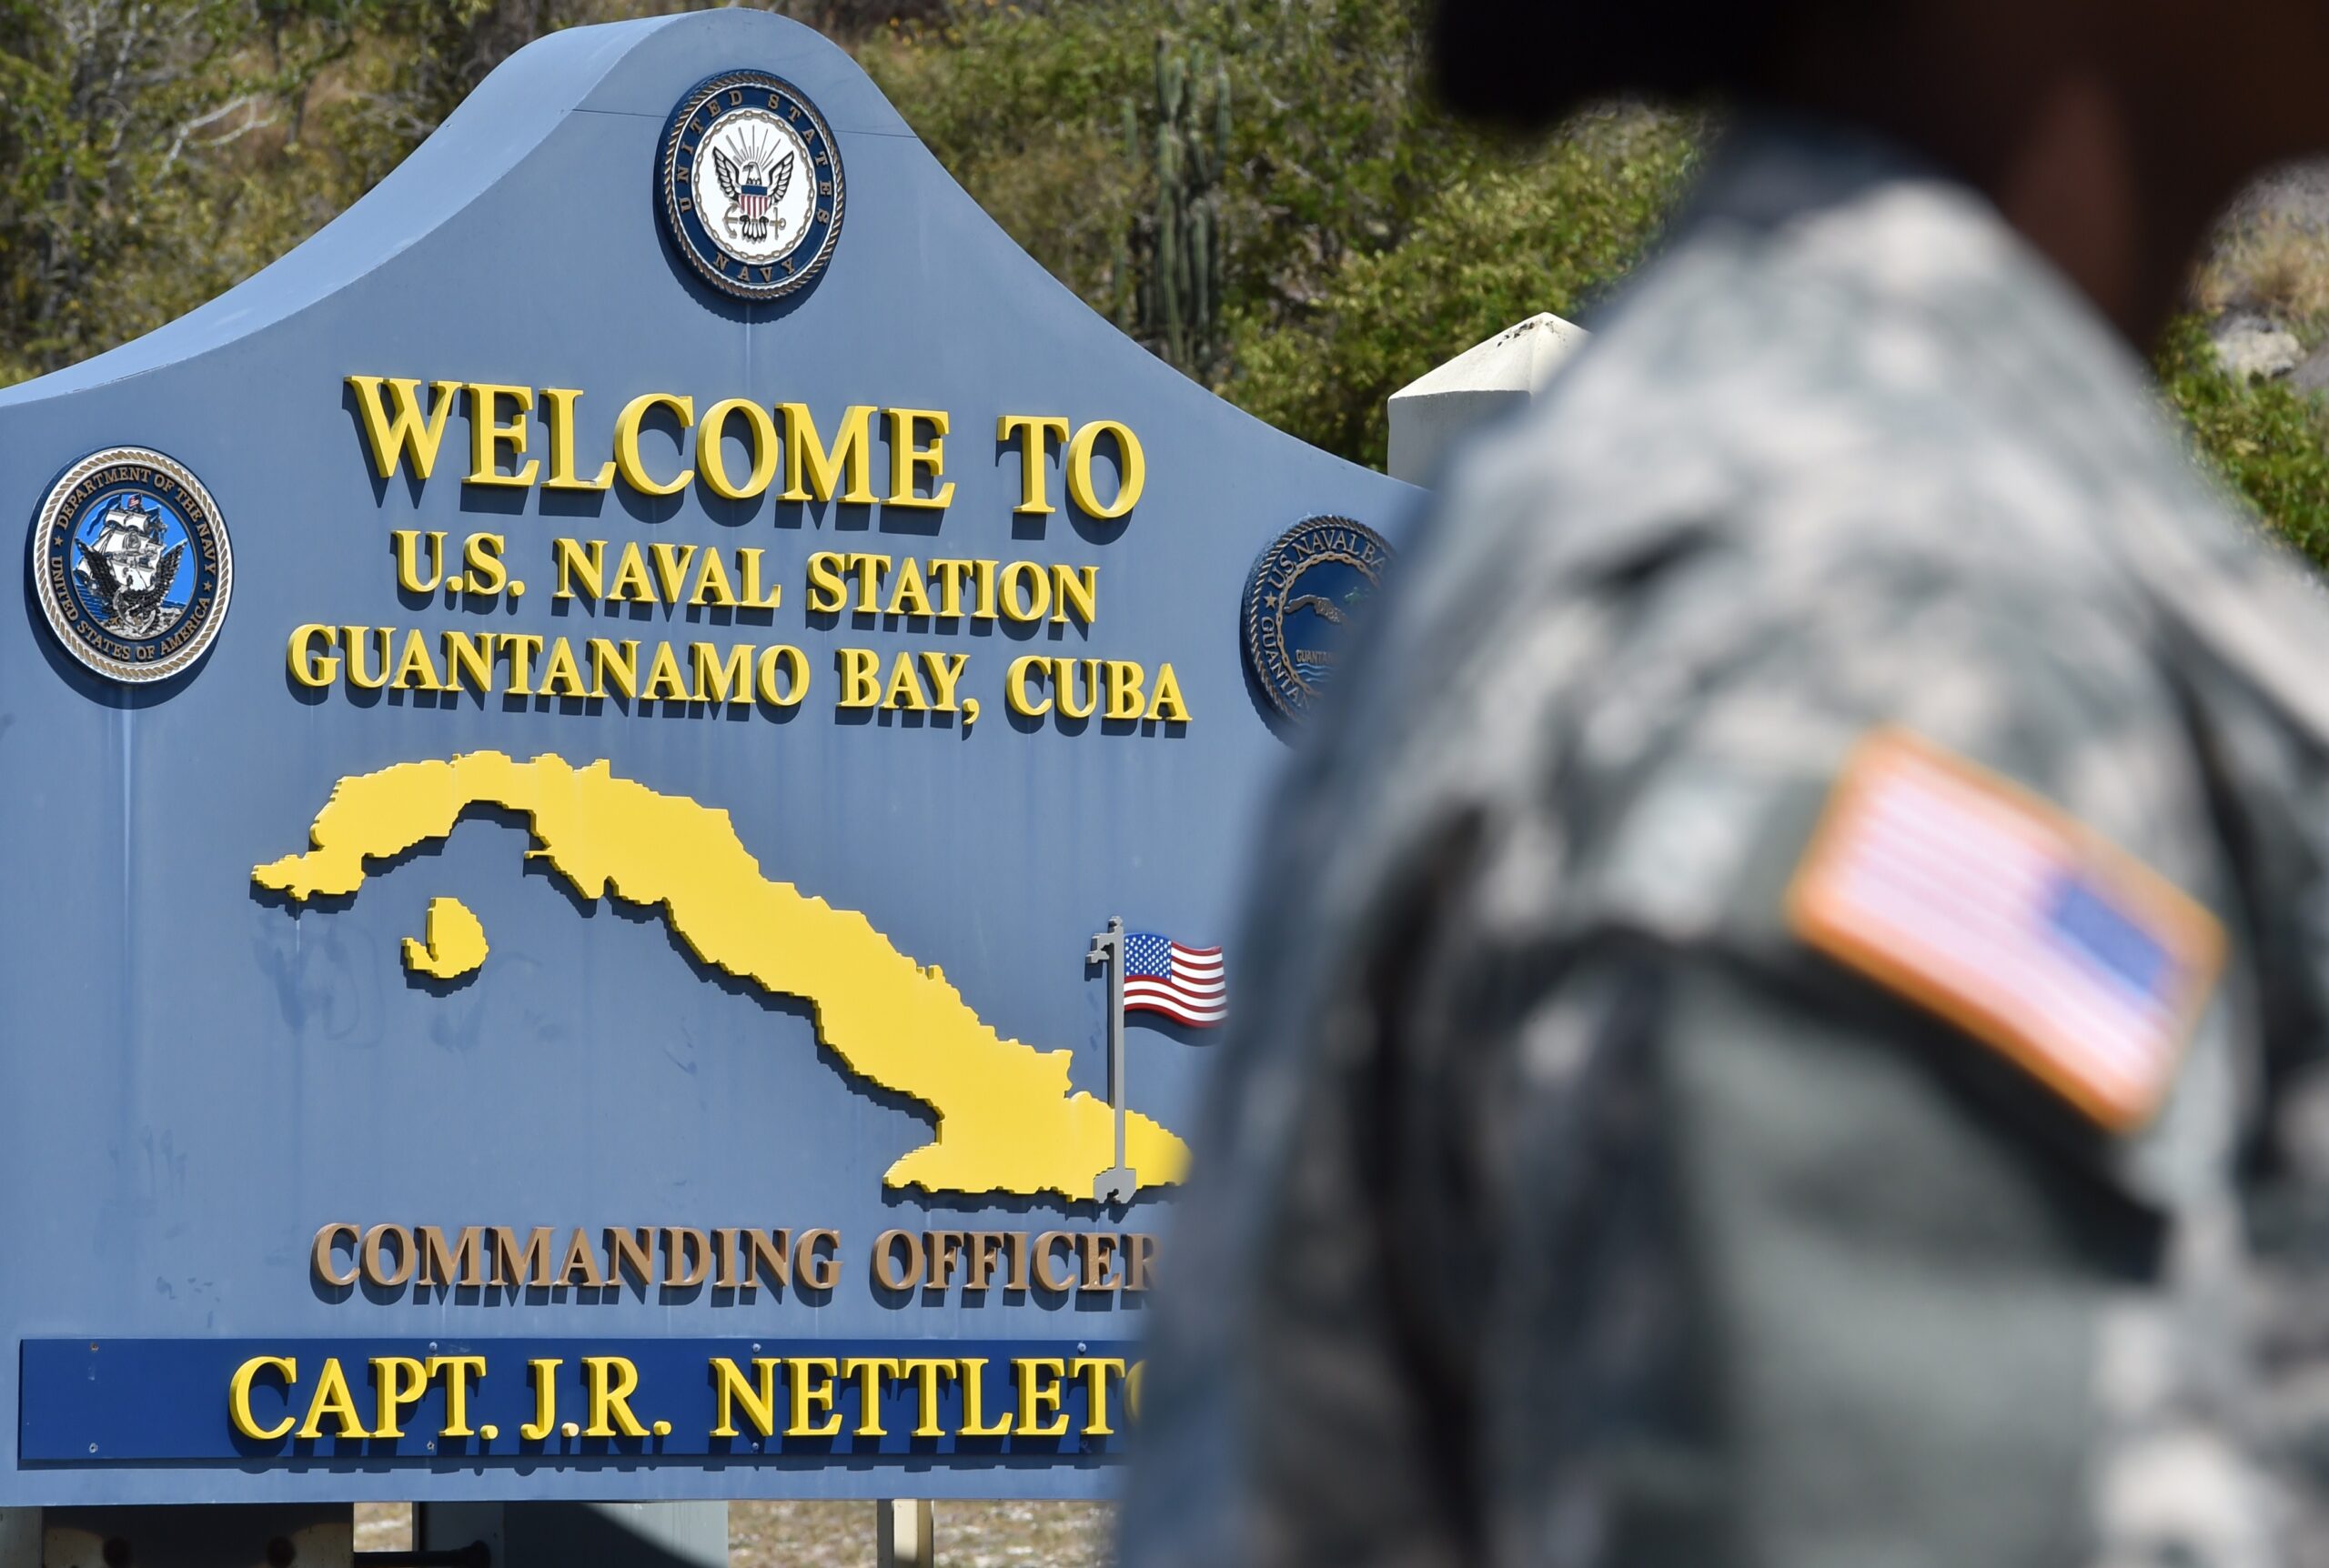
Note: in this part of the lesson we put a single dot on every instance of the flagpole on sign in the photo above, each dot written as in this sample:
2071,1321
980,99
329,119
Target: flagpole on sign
1114,1185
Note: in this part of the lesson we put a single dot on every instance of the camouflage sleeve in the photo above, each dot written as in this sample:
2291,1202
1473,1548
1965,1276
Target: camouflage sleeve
1793,1261
1572,1209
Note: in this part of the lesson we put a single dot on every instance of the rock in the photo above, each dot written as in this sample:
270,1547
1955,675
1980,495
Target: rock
2295,194
2251,345
2313,376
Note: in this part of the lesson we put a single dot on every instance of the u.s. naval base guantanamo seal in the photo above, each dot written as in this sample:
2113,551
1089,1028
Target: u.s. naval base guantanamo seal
1305,591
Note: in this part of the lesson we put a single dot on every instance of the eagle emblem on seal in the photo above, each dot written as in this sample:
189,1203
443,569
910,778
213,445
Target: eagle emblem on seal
754,182
751,185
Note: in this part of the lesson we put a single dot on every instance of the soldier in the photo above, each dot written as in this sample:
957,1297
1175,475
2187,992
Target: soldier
1776,1023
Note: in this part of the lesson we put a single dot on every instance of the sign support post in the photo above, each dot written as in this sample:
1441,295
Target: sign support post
905,1534
1115,1184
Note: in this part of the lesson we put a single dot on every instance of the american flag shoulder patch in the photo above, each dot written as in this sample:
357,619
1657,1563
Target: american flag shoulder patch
1984,903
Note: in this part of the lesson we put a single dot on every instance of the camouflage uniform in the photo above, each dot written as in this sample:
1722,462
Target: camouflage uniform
1563,1207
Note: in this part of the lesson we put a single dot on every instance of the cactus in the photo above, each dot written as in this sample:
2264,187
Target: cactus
1175,250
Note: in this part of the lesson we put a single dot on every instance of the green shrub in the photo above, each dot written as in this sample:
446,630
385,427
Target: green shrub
2265,438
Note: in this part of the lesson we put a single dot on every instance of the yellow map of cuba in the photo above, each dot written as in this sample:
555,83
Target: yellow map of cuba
1008,1120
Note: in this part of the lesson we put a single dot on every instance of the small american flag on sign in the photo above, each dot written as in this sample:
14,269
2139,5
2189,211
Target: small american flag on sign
1183,983
1985,904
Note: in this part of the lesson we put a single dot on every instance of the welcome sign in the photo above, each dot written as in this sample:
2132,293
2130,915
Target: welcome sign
627,777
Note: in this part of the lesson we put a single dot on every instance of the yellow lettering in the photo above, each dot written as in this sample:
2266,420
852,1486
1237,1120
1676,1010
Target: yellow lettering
416,671
1064,674
945,675
628,461
907,595
470,656
949,576
670,568
544,1371
238,1395
356,640
1094,1370
813,1391
730,1390
458,1371
749,560
1036,1396
869,1372
308,668
403,435
611,1380
975,1421
398,1381
1026,590
1132,472
712,457
1165,703
904,691
407,543
827,593
488,432
482,558
561,675
1017,690
792,687
860,686
559,402
811,471
582,560
622,661
1076,588
907,461
719,681
631,584
926,1376
712,586
1125,683
1035,433
664,681
870,568
521,647
333,1398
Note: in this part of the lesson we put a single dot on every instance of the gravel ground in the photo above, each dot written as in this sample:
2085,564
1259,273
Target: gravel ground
841,1534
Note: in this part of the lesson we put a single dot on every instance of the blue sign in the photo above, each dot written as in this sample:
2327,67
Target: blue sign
769,1405
627,859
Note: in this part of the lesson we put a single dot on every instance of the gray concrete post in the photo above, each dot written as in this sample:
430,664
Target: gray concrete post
20,1538
904,1535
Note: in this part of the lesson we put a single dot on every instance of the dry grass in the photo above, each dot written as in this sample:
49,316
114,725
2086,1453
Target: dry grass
2275,268
383,1526
841,1534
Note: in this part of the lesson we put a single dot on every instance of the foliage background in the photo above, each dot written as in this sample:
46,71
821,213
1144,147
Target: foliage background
154,152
